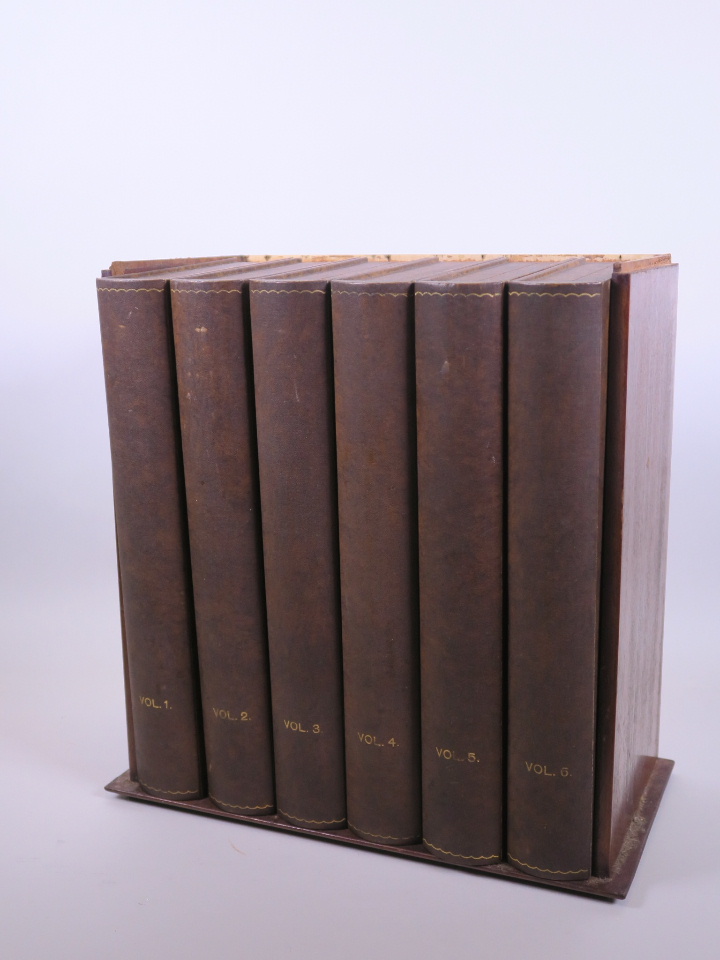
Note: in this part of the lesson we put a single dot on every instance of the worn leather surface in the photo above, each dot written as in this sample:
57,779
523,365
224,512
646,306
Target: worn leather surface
151,524
459,355
460,328
293,364
557,333
460,376
211,322
152,535
214,372
373,339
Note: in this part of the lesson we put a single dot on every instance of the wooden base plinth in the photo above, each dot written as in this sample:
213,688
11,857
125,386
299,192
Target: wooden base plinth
614,887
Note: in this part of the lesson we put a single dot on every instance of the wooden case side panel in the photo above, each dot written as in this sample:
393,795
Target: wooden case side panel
641,366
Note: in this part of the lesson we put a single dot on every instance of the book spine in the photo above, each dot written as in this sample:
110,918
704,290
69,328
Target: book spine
214,369
292,354
373,342
557,359
459,340
152,536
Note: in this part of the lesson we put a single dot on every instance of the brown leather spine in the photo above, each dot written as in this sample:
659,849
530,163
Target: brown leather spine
637,480
214,368
459,340
294,390
292,353
373,342
556,432
152,535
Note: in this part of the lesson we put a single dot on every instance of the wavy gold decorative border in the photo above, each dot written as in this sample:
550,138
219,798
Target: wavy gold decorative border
180,290
380,836
462,856
522,293
288,291
131,289
291,816
429,293
365,293
237,806
171,793
542,869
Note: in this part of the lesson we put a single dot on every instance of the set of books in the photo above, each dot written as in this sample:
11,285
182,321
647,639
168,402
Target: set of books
391,538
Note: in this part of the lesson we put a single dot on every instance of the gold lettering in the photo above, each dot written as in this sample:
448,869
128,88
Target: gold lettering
541,769
445,754
223,714
296,726
372,740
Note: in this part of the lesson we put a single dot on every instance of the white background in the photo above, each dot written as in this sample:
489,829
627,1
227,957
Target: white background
166,129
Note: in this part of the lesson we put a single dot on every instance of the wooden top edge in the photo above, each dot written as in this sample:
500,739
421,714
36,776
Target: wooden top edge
532,257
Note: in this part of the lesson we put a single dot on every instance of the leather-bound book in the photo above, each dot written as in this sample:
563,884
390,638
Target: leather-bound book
151,526
374,353
211,323
460,374
557,389
294,399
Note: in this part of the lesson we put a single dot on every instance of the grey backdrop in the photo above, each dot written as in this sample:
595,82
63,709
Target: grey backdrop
171,129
